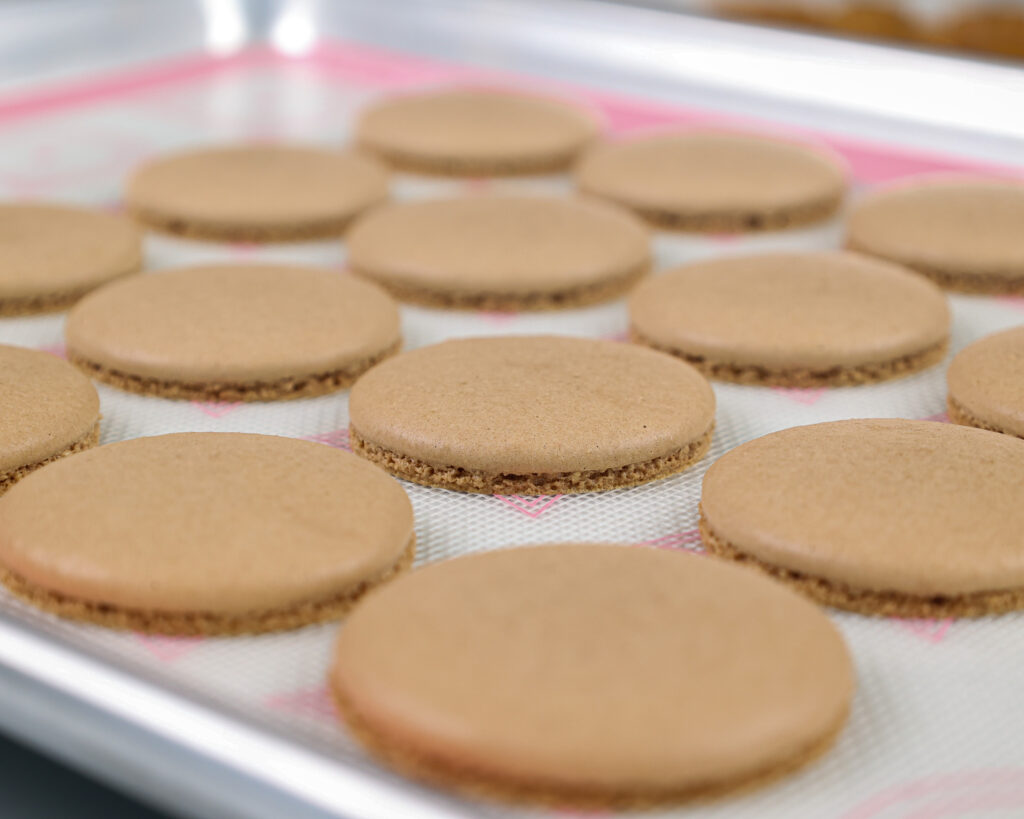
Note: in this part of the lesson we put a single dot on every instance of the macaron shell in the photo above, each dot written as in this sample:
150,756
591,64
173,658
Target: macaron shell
494,128
542,404
46,406
505,244
50,249
207,522
955,226
987,380
789,310
260,186
910,507
705,173
641,658
233,322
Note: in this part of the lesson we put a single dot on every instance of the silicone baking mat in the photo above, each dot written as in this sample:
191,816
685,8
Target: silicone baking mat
936,723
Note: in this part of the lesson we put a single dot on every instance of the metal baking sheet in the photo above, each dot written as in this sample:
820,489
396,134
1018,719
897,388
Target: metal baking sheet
243,726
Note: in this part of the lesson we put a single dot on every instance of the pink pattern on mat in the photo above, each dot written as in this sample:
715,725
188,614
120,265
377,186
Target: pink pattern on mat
57,349
532,507
304,702
808,397
930,630
168,649
1016,302
688,540
338,438
216,409
945,795
941,417
496,317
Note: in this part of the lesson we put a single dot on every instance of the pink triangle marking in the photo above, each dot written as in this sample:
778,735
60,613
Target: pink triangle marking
495,317
55,349
689,540
243,248
724,238
931,630
807,397
479,184
941,417
304,702
168,649
533,507
622,335
1016,302
337,438
216,409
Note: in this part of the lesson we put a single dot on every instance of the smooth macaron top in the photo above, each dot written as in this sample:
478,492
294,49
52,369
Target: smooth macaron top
46,405
710,174
503,244
787,310
957,226
987,380
235,323
268,186
912,507
539,404
480,130
54,249
593,668
208,522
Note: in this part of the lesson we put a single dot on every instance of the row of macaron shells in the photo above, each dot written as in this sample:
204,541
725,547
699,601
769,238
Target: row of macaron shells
694,405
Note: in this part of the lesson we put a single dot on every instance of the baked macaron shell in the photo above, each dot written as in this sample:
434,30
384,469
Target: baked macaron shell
244,191
720,179
502,245
56,253
785,311
46,405
475,131
212,523
986,383
642,659
908,507
245,323
540,404
954,227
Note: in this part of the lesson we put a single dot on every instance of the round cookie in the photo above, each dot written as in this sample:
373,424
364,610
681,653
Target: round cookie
963,234
204,533
539,415
233,332
500,252
892,517
794,319
255,193
52,255
49,410
986,384
593,675
715,182
475,132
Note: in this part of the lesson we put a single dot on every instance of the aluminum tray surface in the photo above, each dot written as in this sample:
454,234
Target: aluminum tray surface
244,726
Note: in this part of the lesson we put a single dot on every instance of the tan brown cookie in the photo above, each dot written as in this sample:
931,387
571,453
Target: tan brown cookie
204,533
986,383
52,255
892,517
458,674
962,233
475,132
234,332
47,410
794,319
255,193
500,252
538,415
715,182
